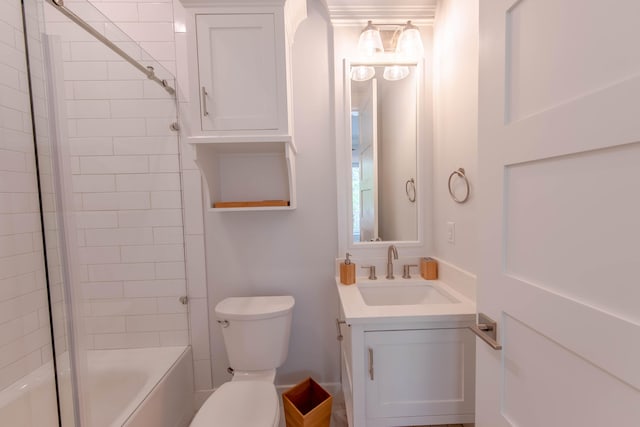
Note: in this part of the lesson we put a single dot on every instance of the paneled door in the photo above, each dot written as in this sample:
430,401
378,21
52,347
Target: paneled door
559,161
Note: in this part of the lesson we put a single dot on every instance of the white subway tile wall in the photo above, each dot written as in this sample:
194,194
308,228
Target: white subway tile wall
126,178
126,181
53,249
193,221
24,321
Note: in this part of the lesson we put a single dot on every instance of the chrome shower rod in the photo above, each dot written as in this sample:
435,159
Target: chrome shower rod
147,71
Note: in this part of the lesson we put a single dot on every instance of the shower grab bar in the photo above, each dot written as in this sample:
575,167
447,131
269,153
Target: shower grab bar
148,71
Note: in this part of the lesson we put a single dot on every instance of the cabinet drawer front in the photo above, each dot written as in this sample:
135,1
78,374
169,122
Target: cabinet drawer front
420,373
240,68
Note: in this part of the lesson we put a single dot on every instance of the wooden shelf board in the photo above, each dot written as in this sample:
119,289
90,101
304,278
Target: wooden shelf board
252,204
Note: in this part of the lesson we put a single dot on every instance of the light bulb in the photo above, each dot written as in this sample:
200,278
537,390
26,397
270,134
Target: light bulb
362,73
395,72
410,42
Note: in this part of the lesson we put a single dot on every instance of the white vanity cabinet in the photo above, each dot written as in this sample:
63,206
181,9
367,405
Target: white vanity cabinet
406,374
239,109
242,73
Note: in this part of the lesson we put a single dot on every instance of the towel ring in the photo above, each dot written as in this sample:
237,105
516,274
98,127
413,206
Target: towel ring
460,172
410,189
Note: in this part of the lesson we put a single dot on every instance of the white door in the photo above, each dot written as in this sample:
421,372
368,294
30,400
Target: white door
368,154
559,162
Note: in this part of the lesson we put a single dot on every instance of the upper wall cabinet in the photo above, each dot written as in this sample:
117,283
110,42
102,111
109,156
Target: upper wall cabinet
240,50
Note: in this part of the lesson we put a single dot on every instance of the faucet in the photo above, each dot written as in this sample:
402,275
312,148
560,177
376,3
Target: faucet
392,250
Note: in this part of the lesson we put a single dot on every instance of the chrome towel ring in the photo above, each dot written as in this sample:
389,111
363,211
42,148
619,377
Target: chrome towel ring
460,173
410,189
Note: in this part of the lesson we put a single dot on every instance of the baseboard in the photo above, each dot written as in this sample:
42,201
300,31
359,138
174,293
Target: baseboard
334,389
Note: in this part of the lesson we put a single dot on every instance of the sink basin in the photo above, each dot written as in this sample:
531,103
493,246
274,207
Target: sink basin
404,294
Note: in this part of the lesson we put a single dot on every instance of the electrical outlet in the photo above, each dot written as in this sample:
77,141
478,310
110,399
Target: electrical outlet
451,232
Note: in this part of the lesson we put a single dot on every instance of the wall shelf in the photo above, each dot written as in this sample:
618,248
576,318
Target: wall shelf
241,171
244,139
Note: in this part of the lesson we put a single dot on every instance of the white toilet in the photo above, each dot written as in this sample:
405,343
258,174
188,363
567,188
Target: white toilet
256,335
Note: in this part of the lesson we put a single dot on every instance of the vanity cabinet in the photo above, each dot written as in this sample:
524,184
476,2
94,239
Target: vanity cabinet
406,374
240,101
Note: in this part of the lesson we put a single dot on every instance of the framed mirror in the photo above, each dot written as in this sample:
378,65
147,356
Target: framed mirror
383,108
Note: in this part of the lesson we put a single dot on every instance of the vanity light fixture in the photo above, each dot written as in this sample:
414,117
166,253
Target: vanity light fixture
407,45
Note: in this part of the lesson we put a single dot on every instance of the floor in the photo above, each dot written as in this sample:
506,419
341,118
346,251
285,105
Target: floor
339,414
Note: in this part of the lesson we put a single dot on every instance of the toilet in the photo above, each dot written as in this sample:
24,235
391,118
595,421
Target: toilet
256,336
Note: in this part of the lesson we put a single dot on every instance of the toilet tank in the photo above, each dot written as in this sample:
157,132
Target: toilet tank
256,331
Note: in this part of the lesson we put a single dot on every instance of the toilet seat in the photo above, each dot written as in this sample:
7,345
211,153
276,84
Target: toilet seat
240,404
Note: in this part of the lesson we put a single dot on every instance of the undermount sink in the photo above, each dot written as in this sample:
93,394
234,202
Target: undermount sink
397,293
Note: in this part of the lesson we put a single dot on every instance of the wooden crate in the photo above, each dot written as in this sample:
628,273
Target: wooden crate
307,405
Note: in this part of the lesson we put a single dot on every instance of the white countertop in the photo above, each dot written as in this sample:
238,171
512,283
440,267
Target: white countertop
356,311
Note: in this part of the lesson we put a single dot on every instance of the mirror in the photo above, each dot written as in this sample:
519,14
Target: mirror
384,181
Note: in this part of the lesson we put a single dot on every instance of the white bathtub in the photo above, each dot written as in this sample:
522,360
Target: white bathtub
132,388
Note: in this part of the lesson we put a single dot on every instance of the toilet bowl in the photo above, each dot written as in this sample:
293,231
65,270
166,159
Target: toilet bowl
256,335
240,404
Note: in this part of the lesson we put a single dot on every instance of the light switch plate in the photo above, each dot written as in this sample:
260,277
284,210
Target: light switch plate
451,232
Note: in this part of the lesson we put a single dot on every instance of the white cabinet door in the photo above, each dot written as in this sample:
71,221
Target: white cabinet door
420,373
241,71
559,156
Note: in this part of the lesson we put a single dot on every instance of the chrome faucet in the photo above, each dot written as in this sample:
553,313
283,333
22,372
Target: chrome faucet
392,250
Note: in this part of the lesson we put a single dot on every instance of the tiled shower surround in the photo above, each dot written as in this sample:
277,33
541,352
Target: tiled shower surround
125,168
24,322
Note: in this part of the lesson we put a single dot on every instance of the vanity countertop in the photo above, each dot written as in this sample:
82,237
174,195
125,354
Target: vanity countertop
356,311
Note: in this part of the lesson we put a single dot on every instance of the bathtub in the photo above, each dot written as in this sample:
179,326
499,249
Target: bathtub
132,388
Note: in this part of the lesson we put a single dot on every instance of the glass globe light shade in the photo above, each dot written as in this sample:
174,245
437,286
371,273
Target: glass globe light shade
410,42
395,72
370,41
362,73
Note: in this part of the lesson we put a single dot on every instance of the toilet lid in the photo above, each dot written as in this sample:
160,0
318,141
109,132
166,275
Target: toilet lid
240,404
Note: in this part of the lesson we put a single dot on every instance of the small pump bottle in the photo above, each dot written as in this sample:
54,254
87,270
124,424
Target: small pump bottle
347,271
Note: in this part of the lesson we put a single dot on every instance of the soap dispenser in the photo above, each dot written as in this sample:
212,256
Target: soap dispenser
347,271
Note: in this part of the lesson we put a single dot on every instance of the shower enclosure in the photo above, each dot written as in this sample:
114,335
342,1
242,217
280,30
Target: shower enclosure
92,269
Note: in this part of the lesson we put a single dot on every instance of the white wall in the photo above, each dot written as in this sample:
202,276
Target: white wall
24,321
290,252
456,112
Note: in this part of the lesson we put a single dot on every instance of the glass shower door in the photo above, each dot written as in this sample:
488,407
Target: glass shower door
113,163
